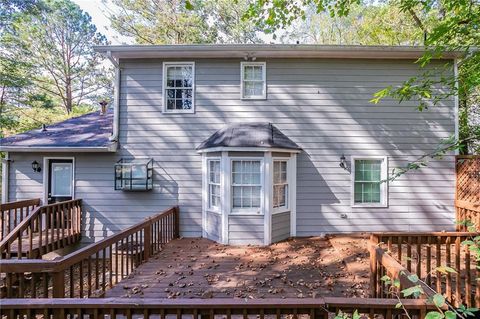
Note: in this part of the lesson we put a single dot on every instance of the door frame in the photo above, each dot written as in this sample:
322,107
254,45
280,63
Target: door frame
46,171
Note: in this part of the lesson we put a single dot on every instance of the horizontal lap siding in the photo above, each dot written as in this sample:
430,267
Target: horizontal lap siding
322,105
214,226
245,229
280,226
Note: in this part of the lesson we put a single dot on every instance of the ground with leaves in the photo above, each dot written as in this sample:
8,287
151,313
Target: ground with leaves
296,268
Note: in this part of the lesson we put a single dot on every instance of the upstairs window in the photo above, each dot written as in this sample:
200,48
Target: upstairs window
178,84
253,80
369,185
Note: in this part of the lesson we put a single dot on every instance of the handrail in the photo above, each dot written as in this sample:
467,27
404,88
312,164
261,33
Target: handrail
54,214
209,308
20,210
439,259
127,248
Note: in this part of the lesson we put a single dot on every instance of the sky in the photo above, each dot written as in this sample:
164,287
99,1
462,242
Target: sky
96,9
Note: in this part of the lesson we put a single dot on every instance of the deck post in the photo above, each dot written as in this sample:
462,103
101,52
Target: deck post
177,222
373,265
58,283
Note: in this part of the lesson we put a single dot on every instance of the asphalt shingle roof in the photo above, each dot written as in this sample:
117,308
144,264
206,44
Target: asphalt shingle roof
249,135
89,130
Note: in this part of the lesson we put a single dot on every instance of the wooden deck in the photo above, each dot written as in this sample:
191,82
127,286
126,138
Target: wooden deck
297,268
55,241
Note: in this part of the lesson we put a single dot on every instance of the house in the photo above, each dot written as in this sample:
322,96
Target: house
255,143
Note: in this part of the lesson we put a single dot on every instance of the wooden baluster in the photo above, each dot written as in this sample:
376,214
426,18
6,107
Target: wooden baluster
80,277
40,234
438,257
104,267
468,278
19,245
110,267
122,258
409,253
448,264
399,247
132,251
30,239
9,284
72,281
419,257
116,263
47,222
97,274
2,225
33,285
458,275
45,285
62,223
57,216
15,213
429,262
89,276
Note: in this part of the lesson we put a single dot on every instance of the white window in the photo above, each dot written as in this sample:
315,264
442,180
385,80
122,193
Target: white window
62,175
246,184
369,181
253,80
280,184
214,184
178,87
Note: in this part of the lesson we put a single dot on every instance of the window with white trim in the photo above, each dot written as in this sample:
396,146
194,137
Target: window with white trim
369,186
214,184
246,184
253,80
280,184
178,83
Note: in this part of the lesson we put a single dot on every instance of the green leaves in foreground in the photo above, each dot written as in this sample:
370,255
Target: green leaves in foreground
439,315
414,291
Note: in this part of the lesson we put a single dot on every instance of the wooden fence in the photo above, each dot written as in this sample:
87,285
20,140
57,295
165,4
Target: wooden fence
14,212
45,229
467,195
88,272
211,308
430,256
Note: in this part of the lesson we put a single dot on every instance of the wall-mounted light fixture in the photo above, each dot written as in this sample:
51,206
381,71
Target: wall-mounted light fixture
343,162
249,57
36,167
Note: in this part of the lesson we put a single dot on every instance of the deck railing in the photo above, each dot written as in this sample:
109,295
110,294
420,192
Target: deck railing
211,308
45,229
467,195
438,259
13,213
90,271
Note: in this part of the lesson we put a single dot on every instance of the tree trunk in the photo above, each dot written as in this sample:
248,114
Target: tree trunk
68,99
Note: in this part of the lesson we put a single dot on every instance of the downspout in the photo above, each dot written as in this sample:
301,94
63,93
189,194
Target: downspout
5,177
116,102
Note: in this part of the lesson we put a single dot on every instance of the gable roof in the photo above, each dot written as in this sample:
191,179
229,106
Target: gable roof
249,135
89,132
178,51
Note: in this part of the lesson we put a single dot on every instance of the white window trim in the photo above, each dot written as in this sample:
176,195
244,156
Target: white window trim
264,77
164,84
286,208
258,211
213,209
383,186
46,171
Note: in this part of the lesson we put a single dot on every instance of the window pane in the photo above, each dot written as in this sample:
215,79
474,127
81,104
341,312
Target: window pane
367,181
247,174
61,179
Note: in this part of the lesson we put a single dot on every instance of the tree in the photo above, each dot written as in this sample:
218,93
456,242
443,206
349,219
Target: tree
448,25
183,22
58,43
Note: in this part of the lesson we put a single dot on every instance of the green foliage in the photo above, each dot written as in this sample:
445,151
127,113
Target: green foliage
415,291
183,22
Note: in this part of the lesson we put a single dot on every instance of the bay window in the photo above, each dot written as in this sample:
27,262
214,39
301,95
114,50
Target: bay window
280,184
246,184
214,184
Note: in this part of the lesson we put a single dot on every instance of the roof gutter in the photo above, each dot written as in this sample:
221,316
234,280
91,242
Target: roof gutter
67,149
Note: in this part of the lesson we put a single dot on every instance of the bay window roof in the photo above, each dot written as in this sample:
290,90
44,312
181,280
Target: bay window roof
249,135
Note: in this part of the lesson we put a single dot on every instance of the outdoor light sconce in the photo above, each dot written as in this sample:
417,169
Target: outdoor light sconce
343,162
36,167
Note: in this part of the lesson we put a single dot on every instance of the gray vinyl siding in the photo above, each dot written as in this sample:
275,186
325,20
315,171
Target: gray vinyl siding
280,226
214,226
246,229
322,105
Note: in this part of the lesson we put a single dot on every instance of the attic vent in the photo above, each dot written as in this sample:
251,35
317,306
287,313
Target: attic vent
134,175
